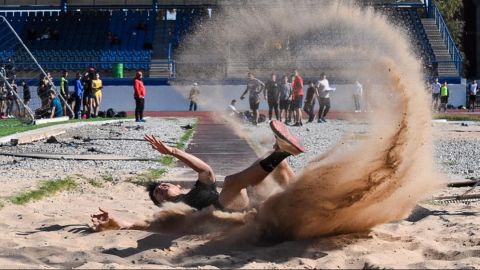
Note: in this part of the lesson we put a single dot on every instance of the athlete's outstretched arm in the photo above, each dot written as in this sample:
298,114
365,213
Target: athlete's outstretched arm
204,171
106,222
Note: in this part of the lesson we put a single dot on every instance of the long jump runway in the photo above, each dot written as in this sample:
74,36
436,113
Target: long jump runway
215,143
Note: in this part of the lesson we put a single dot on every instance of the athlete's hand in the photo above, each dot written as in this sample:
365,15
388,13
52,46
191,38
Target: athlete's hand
158,145
104,222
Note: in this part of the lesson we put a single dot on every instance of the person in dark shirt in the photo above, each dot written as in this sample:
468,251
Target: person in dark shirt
254,88
272,87
309,105
27,96
204,193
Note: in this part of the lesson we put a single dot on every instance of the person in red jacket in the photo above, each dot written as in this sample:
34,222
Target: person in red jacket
297,98
139,95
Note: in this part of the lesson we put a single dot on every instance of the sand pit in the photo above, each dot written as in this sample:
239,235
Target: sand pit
54,232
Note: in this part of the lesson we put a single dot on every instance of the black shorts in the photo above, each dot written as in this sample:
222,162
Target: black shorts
444,99
283,104
254,103
473,98
297,102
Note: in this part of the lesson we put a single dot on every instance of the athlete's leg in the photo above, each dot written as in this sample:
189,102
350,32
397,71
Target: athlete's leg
233,194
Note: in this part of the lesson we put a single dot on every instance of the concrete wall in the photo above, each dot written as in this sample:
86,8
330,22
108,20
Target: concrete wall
217,97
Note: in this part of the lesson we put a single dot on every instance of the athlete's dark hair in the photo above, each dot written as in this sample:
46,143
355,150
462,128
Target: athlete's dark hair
151,188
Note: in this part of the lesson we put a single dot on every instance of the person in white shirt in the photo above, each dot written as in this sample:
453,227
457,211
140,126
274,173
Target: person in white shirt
435,94
324,90
231,110
357,96
473,95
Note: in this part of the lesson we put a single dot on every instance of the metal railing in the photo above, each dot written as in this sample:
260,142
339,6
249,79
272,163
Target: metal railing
457,59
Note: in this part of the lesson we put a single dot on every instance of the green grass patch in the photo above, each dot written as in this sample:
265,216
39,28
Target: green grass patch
457,117
46,188
12,126
107,178
167,160
149,176
95,183
181,144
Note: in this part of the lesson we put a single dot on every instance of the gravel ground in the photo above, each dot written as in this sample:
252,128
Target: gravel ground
459,158
456,157
76,141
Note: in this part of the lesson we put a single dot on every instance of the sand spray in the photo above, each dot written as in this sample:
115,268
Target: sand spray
355,186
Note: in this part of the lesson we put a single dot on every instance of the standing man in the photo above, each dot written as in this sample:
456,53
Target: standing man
139,95
444,93
435,94
254,87
297,97
285,97
273,95
193,97
324,90
64,89
309,106
473,95
357,96
77,95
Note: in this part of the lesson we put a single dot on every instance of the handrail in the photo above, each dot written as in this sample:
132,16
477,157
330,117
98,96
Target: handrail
447,38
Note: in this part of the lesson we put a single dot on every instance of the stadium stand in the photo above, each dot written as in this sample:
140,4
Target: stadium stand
81,38
139,35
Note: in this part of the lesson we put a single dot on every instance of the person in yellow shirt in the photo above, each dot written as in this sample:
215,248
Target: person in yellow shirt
97,87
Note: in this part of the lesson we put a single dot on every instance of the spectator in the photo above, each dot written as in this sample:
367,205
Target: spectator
139,95
55,105
42,90
285,97
88,97
444,93
97,86
64,90
11,99
77,95
55,35
10,69
357,96
297,97
193,97
31,34
45,35
472,100
26,93
309,105
435,94
254,88
273,95
324,90
3,91
142,26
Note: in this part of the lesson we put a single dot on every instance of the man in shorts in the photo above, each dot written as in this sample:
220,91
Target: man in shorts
472,98
233,195
297,97
285,97
254,87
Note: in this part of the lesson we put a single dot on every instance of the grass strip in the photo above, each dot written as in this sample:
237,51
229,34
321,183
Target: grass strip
166,160
457,117
12,126
46,188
